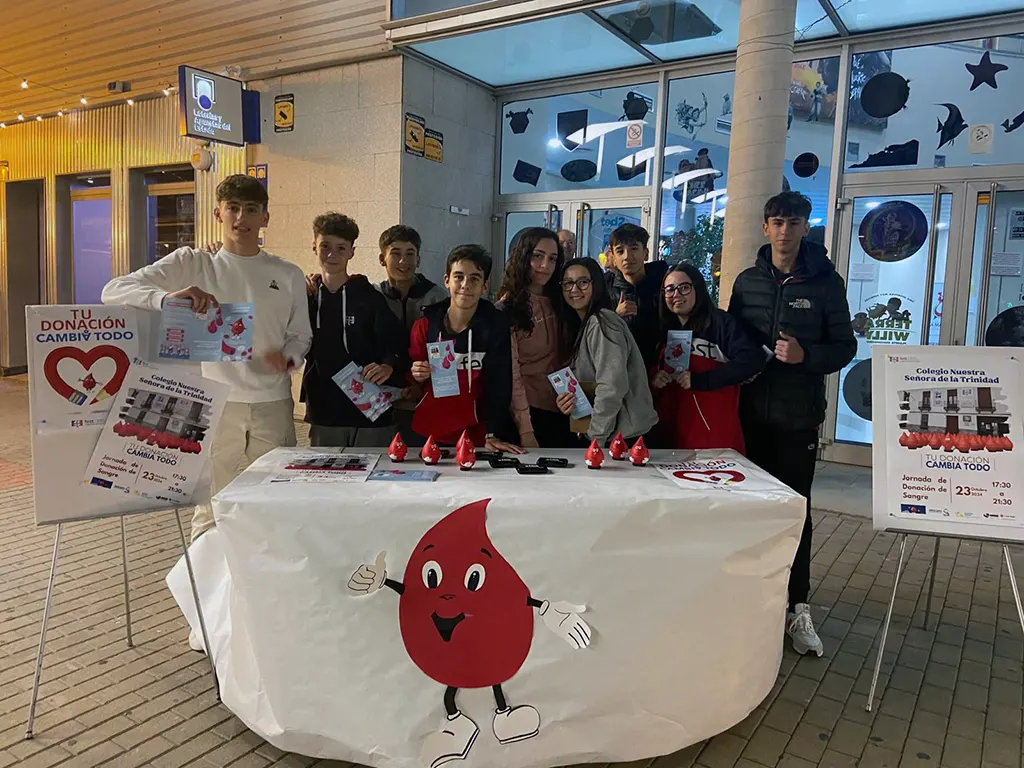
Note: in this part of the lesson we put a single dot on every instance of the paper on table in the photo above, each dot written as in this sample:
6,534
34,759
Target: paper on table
369,398
444,378
563,380
224,334
405,475
325,467
677,350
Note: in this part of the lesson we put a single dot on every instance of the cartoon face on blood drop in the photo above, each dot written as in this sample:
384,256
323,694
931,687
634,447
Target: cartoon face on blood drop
463,612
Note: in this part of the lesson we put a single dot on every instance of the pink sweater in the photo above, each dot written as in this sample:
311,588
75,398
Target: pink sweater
534,356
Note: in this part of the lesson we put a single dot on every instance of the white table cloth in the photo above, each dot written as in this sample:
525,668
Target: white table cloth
684,586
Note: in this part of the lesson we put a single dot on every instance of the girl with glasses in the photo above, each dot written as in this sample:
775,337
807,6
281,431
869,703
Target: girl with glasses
699,408
604,357
530,296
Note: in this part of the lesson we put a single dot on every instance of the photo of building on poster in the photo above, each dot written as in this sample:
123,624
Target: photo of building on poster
952,433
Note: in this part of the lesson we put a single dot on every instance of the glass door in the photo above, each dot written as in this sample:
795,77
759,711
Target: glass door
595,221
990,302
895,257
91,249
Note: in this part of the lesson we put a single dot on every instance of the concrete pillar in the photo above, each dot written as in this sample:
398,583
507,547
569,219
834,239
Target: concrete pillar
764,65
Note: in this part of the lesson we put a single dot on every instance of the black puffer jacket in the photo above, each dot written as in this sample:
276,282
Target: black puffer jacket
808,304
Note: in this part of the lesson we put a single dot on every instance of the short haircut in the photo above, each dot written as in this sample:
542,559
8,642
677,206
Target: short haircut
476,254
242,189
399,234
629,234
332,224
786,205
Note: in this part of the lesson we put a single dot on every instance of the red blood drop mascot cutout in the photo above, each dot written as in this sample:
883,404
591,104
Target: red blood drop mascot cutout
467,622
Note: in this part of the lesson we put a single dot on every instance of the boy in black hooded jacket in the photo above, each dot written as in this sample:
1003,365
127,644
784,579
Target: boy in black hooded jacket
351,322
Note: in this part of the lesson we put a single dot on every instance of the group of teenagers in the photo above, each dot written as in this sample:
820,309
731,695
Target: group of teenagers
755,380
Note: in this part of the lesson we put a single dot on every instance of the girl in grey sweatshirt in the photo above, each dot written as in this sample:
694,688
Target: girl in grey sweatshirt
605,354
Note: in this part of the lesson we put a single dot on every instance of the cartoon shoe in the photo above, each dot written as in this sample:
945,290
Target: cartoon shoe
516,724
452,742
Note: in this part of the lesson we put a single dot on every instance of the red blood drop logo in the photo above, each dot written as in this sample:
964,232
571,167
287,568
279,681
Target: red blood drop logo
463,613
711,476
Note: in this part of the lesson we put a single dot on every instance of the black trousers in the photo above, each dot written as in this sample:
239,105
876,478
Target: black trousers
789,456
551,428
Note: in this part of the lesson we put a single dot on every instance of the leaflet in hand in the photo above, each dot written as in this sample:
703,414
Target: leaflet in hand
370,399
223,335
444,378
564,381
677,350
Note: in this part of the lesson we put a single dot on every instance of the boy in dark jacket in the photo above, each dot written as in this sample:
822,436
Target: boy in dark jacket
351,322
794,303
483,358
407,292
635,287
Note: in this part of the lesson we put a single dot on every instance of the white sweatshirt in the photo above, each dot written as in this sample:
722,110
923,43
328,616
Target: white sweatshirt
275,286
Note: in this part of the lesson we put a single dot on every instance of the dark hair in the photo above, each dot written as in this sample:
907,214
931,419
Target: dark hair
515,288
333,224
629,234
787,204
399,234
572,325
242,189
700,317
476,254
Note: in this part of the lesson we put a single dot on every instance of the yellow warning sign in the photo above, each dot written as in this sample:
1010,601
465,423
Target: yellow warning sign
284,113
415,127
434,146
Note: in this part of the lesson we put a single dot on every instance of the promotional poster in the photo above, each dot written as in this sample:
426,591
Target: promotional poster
223,335
156,441
947,436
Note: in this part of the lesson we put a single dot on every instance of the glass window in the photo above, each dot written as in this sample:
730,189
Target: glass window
1003,322
534,50
589,140
886,287
680,29
91,247
694,195
405,9
862,15
917,107
170,211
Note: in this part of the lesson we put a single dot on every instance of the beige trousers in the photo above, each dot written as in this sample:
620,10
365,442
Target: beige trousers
246,432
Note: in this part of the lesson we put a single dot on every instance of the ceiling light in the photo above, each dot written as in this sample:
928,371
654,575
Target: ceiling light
89,181
167,91
131,102
60,113
3,125
24,83
39,117
21,117
83,100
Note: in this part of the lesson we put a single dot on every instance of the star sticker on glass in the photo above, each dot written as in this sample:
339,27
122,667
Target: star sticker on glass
985,71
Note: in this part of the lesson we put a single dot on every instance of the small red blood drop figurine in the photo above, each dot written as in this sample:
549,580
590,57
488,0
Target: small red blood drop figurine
462,438
948,443
990,443
905,440
1007,443
639,454
961,443
465,454
430,454
594,457
935,441
398,450
618,448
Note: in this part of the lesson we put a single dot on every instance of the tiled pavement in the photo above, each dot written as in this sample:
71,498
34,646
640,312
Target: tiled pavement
949,696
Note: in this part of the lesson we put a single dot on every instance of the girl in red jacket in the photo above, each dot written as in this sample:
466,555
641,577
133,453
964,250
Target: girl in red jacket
699,408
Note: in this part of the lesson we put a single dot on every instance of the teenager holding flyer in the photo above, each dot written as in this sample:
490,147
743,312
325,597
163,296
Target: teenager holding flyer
604,355
698,399
258,416
355,333
462,354
531,298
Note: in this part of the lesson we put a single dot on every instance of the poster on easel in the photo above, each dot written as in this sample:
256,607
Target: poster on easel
78,360
156,440
948,453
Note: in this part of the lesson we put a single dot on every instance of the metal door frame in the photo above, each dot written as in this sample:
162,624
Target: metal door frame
871,186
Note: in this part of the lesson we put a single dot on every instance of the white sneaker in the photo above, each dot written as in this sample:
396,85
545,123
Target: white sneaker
452,742
800,629
195,642
516,724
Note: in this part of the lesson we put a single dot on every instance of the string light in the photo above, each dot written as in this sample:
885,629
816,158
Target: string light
39,117
60,113
3,125
21,117
24,83
130,102
83,100
167,91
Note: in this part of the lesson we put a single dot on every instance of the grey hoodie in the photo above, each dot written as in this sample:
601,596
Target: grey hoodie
622,397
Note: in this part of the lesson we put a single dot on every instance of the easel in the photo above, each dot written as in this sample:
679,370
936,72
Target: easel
127,607
931,588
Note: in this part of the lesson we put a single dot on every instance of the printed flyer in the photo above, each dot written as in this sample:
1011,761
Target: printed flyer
726,474
223,335
563,381
156,440
949,426
370,399
325,467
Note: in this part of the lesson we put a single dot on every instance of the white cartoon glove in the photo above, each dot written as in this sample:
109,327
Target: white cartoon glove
564,620
368,578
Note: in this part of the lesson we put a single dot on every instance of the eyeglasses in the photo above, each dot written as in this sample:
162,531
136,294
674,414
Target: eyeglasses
583,283
683,289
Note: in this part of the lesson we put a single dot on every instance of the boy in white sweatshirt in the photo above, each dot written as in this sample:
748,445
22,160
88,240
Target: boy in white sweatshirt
258,416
